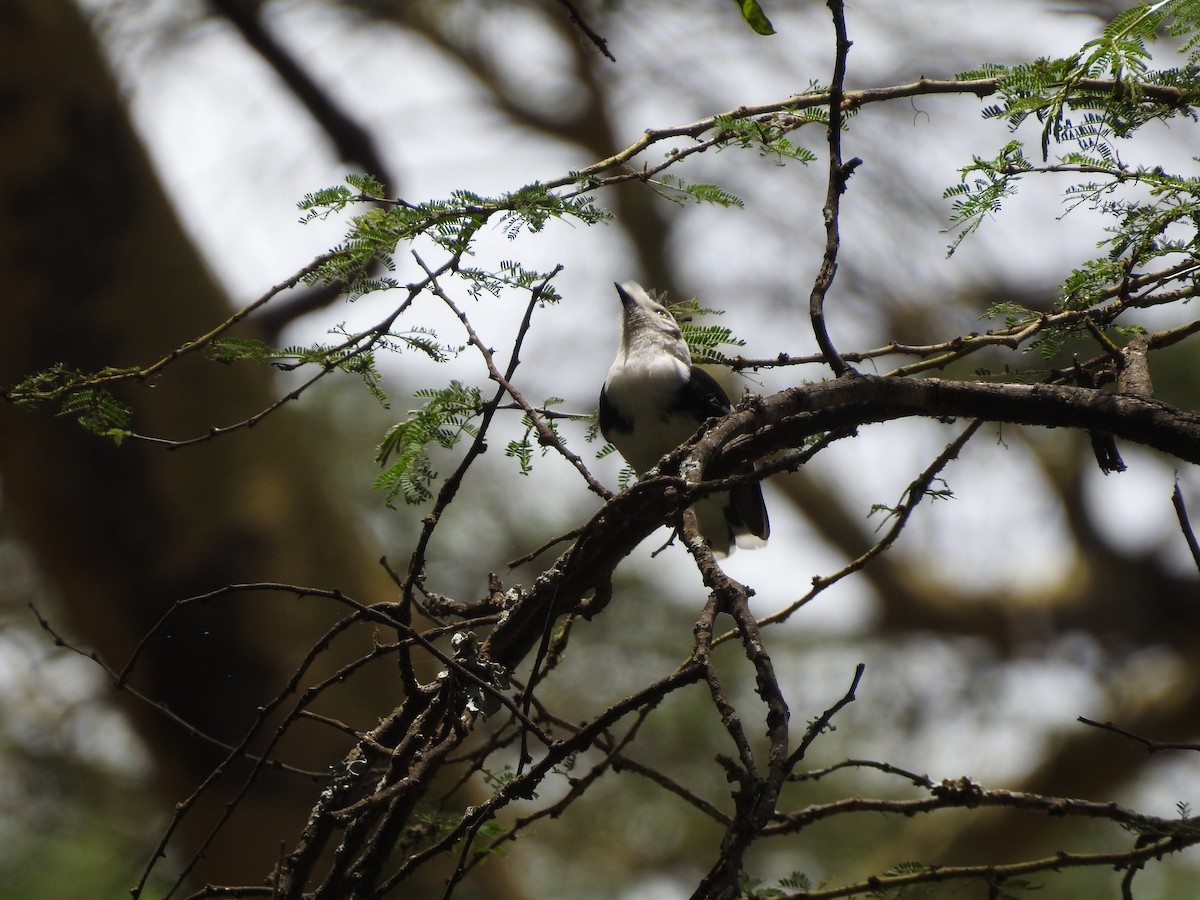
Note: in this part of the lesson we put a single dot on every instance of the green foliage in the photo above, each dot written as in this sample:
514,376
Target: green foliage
751,888
1159,224
521,449
797,881
79,396
712,193
363,365
350,355
680,191
984,186
767,134
1089,102
529,209
510,275
492,832
99,412
703,340
428,825
1162,224
890,512
1015,315
1051,89
447,415
893,893
626,476
368,186
323,203
327,201
1017,318
1186,25
755,17
452,224
229,350
1187,827
1109,83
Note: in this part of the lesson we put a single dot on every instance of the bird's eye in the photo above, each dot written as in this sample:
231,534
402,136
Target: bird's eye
663,313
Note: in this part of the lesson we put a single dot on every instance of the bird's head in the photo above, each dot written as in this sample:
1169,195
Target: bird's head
646,322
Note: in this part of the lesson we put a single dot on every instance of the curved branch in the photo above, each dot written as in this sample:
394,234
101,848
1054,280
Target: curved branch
784,419
839,175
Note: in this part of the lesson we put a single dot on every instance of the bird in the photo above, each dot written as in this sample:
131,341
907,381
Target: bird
654,399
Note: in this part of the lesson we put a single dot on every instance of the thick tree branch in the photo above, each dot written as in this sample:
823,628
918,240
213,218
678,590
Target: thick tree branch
782,420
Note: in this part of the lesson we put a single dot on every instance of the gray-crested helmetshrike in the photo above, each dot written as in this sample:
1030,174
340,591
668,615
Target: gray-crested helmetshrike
654,399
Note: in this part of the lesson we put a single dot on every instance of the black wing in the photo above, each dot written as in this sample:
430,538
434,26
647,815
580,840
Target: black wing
610,419
704,398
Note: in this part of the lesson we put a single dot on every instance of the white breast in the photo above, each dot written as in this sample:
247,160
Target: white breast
640,388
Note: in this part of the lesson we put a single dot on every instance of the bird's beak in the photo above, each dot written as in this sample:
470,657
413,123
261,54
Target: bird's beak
626,299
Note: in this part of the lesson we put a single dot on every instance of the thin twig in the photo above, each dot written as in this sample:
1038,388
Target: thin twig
878,884
916,492
162,708
820,723
546,435
579,22
839,174
523,785
1107,307
1150,745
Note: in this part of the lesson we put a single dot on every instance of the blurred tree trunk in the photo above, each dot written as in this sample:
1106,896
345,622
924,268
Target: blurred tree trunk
99,271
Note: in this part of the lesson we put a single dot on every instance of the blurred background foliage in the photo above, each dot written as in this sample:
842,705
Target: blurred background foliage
1042,591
